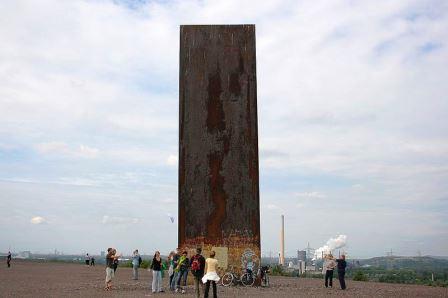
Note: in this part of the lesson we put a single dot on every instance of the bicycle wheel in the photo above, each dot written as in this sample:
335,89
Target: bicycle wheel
247,279
227,279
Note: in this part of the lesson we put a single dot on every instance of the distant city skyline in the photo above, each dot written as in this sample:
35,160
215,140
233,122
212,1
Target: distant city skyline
352,111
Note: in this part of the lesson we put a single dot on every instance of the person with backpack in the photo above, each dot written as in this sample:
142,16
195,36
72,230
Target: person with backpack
182,269
136,262
197,265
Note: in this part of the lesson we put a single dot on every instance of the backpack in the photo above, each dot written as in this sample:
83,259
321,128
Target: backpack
196,264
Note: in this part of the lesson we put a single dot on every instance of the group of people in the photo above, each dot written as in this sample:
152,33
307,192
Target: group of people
90,260
330,264
179,265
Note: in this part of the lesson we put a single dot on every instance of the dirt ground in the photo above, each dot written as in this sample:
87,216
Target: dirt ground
45,279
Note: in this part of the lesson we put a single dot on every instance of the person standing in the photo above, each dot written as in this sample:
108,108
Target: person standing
110,273
182,269
115,265
341,271
136,262
156,267
210,276
197,265
87,260
328,269
176,258
92,261
171,270
8,259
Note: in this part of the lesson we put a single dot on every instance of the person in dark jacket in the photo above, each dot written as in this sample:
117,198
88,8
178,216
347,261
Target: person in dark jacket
115,265
197,265
173,281
156,267
8,259
341,271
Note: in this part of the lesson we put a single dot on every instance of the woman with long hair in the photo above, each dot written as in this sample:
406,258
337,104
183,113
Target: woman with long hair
156,267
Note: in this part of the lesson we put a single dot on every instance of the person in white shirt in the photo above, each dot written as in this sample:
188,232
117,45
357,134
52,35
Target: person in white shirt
211,264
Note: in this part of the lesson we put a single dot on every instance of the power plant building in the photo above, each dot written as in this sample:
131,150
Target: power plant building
301,255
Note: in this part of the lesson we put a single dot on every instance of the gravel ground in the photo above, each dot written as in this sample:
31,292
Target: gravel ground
45,279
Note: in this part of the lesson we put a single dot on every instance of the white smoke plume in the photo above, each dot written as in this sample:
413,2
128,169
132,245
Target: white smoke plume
332,244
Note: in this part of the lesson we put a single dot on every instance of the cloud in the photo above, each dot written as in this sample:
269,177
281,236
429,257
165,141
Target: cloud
272,207
63,149
172,160
89,104
37,220
116,220
311,195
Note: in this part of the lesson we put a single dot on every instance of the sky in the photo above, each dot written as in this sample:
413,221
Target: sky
352,107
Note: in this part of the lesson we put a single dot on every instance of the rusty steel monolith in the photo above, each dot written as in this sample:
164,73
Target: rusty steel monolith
218,143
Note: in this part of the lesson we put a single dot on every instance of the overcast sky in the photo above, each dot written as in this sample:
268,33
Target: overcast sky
353,117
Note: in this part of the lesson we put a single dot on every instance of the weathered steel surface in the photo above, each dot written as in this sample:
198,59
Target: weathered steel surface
218,140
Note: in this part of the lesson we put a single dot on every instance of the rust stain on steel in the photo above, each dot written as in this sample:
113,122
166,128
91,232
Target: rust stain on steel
218,139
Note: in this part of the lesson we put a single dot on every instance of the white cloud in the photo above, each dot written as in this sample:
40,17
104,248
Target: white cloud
117,220
311,195
86,151
172,160
272,207
357,97
63,149
37,220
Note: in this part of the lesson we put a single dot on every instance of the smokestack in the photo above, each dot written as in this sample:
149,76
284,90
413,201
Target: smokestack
282,242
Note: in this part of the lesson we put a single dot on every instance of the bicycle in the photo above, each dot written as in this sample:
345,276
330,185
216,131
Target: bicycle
246,279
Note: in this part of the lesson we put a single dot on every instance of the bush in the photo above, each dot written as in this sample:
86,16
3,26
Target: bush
145,264
360,276
277,270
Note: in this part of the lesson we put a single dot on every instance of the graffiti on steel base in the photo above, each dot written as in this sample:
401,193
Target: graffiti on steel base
249,260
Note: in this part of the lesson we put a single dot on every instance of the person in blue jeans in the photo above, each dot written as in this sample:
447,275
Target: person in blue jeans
182,269
175,261
136,261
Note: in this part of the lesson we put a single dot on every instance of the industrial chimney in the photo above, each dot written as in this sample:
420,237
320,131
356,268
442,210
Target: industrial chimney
282,243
